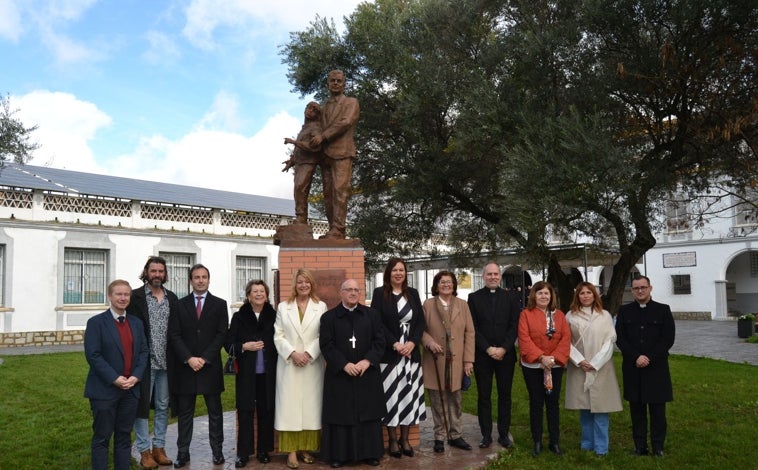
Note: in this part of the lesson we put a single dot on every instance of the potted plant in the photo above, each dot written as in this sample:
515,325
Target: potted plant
746,325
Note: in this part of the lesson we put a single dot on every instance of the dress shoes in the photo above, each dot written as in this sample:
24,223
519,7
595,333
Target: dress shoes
372,462
554,448
240,462
537,449
337,464
485,442
439,446
459,443
160,457
640,451
218,459
505,442
658,452
394,450
407,449
263,457
181,460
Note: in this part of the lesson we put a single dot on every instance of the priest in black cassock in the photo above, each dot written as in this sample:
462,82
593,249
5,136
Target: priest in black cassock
352,342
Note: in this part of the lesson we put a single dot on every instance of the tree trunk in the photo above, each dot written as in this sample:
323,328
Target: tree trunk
561,282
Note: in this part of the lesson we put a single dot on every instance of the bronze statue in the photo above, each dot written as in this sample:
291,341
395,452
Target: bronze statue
339,117
304,159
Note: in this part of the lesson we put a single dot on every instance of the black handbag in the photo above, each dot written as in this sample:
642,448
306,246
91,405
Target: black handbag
231,367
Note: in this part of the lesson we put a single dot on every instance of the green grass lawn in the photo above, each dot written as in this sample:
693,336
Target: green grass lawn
45,420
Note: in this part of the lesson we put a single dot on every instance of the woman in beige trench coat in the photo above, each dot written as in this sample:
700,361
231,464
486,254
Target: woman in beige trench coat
448,356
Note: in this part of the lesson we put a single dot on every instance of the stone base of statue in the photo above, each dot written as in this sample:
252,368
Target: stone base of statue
293,233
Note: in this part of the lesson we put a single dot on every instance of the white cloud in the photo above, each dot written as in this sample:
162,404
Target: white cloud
66,50
204,16
10,20
223,114
163,49
66,126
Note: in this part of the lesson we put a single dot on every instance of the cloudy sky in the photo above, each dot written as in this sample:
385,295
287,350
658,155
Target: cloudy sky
187,92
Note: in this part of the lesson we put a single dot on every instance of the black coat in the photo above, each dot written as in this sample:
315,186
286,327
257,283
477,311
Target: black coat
352,400
193,337
646,331
498,327
245,327
391,322
138,308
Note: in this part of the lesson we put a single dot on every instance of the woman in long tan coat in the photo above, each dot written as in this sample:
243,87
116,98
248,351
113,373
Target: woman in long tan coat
448,356
299,371
591,385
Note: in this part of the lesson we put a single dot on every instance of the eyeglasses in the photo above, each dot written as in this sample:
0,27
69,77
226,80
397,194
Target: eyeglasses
352,290
641,288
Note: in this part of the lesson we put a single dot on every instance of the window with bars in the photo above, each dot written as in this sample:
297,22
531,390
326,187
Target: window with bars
248,268
754,264
84,276
177,265
681,283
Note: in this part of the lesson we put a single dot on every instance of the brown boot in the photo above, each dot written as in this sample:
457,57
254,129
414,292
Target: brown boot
147,460
159,454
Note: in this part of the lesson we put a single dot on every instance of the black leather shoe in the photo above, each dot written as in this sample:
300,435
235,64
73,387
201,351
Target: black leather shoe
554,448
263,457
485,442
181,460
218,459
439,446
537,449
240,462
394,450
459,443
337,464
658,452
372,462
505,442
640,451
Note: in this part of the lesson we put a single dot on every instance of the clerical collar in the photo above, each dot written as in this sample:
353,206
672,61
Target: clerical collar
492,291
350,309
642,305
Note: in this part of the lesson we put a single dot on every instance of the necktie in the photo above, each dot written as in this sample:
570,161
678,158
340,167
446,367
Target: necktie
121,319
199,306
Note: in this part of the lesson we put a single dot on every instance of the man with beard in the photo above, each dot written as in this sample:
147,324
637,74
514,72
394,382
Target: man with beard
151,303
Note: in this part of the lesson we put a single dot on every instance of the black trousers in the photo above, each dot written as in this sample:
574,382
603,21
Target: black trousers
113,418
538,398
245,431
639,412
484,369
185,405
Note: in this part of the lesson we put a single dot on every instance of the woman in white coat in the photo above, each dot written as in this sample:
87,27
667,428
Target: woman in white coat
591,385
300,370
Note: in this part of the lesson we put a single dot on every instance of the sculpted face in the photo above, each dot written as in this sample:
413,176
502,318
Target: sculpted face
336,83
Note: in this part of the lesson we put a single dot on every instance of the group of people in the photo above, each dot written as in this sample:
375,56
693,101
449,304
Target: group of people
329,380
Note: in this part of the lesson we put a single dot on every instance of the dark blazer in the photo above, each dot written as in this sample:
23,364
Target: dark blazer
646,331
245,327
391,322
498,329
105,355
193,337
138,308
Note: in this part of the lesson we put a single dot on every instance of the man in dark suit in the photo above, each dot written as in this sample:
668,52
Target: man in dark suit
338,119
151,303
197,331
645,332
495,315
116,350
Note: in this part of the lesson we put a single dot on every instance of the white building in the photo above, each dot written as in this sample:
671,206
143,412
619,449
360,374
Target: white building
65,235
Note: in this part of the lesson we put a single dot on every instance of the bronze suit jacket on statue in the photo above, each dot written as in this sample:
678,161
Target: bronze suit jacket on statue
338,122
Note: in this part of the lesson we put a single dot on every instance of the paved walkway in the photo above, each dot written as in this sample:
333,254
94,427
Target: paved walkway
714,339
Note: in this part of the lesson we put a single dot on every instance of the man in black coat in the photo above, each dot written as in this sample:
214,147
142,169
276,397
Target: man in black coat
495,314
645,332
352,341
151,303
197,331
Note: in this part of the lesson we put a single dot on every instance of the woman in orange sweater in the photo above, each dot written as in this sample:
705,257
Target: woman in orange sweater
545,344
